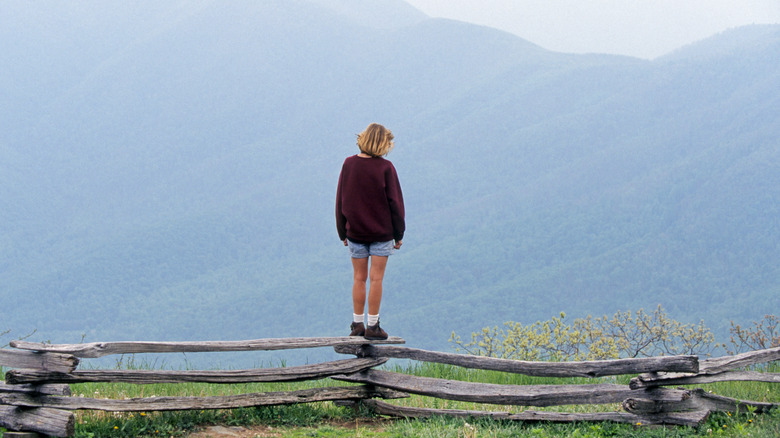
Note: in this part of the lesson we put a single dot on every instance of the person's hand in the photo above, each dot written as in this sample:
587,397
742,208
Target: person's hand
398,244
345,242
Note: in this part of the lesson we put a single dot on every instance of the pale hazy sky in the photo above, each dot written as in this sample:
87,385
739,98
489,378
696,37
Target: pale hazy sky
641,28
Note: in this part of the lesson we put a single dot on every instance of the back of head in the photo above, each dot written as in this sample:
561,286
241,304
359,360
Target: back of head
376,140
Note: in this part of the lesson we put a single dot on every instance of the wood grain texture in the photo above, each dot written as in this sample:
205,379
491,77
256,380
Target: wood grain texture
596,368
697,400
200,403
43,389
679,419
726,363
282,374
676,379
715,370
100,349
47,421
38,360
521,395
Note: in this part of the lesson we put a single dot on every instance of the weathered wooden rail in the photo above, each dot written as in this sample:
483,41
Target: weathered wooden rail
36,397
645,399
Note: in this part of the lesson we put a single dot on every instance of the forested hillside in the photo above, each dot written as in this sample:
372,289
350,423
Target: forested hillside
168,172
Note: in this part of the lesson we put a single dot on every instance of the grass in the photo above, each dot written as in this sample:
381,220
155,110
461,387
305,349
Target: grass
324,419
312,420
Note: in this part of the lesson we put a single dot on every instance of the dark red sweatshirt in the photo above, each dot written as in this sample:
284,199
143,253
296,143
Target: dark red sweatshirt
369,202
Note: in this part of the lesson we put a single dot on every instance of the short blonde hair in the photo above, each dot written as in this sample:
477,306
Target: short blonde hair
376,140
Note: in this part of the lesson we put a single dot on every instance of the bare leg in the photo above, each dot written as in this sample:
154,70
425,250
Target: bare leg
359,277
376,275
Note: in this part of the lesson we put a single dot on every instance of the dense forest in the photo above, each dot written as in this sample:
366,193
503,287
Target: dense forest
168,172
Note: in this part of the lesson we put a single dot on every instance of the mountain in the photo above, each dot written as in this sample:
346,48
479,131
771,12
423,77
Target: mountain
168,171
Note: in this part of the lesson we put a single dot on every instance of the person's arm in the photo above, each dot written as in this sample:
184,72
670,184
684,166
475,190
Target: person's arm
341,220
395,199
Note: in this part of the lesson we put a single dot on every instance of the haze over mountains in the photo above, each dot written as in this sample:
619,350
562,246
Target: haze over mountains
168,172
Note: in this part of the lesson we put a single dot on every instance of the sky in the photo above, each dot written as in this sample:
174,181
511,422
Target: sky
640,28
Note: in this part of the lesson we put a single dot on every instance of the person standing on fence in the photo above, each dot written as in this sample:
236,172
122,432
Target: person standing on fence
370,222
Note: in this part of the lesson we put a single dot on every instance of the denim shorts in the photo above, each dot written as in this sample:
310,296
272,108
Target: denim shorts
363,250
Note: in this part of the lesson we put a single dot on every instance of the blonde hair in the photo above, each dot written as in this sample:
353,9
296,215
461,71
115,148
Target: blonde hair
376,140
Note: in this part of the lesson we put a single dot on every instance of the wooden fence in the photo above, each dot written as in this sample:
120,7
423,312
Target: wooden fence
36,397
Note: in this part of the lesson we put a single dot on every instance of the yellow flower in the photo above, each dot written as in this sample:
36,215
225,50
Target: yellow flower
116,427
143,414
638,423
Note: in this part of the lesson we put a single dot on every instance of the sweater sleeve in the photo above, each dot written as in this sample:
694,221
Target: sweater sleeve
341,220
395,199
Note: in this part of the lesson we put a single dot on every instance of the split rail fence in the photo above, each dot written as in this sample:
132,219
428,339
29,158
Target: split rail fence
36,396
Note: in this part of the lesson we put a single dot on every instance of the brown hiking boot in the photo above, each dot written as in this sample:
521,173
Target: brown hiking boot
375,333
357,329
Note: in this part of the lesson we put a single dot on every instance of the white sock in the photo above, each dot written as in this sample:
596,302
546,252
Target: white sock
373,319
356,318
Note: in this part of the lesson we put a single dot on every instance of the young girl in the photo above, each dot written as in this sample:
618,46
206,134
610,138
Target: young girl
370,221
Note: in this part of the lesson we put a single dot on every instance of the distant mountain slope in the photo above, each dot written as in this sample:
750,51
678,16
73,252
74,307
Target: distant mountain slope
377,14
636,193
169,171
731,43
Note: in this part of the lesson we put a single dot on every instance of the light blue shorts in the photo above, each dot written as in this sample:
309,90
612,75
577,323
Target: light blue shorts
363,250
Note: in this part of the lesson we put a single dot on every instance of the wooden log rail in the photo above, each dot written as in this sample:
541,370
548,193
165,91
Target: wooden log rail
51,422
285,374
671,418
199,403
715,370
100,349
596,368
519,395
646,404
36,396
63,363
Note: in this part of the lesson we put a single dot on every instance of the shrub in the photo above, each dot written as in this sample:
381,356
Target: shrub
763,334
625,334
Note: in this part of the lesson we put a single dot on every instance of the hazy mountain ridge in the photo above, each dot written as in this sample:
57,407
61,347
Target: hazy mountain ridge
185,173
735,42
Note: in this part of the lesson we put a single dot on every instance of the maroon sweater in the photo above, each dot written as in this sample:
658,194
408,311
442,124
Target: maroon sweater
369,202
